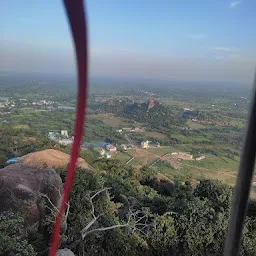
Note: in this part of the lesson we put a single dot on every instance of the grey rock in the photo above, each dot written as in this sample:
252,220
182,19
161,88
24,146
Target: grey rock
25,190
64,252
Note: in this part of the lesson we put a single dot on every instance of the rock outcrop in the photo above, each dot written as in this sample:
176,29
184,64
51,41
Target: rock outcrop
64,252
51,158
30,191
160,183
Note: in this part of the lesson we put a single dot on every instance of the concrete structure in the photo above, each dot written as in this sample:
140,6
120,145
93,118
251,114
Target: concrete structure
145,144
66,141
111,148
124,147
199,158
64,133
12,160
52,136
107,155
126,129
102,152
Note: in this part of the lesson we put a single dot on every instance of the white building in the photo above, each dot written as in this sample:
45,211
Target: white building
102,152
107,155
124,147
64,133
66,141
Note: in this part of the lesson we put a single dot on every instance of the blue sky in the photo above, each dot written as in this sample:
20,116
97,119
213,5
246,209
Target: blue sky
165,39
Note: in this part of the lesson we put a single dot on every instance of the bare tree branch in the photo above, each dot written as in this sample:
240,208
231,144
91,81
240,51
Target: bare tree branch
103,229
54,209
133,222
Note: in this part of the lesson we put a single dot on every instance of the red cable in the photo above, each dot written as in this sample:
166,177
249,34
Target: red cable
77,22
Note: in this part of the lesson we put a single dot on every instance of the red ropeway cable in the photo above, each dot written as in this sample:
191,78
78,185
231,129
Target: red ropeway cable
76,15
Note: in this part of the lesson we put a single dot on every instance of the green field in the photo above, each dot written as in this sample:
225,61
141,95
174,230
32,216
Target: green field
156,135
122,157
195,125
162,151
21,126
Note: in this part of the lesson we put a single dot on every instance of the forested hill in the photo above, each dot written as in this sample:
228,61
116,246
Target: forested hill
154,114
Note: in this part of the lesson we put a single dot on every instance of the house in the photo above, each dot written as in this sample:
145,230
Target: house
64,133
145,144
111,148
107,155
66,141
102,152
126,129
124,147
52,135
12,160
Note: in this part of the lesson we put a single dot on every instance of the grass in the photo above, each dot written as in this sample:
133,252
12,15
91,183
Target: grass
115,121
212,167
215,163
161,151
193,172
142,157
195,125
156,135
122,157
21,126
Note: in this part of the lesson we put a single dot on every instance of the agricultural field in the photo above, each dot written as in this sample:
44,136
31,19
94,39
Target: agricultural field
156,135
122,157
217,133
211,167
195,125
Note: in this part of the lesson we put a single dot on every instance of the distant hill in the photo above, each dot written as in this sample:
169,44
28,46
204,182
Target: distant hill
151,112
50,158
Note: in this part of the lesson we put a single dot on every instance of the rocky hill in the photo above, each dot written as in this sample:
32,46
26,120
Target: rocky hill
50,158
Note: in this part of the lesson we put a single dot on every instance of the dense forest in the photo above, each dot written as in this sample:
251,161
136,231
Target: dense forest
135,215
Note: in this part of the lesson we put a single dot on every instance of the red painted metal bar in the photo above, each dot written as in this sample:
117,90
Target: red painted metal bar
77,21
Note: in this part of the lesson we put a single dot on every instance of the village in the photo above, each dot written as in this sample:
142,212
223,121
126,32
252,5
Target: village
133,150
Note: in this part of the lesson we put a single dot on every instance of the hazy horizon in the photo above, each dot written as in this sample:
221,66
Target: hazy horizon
204,41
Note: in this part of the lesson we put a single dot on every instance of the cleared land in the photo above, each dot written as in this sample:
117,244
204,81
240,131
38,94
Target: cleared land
213,167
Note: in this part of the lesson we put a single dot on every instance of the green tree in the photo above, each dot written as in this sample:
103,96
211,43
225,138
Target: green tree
163,235
201,230
13,237
218,193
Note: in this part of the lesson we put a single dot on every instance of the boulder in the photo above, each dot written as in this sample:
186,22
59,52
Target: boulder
51,158
163,184
64,252
30,191
160,183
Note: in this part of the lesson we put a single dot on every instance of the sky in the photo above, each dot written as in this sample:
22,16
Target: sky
185,40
